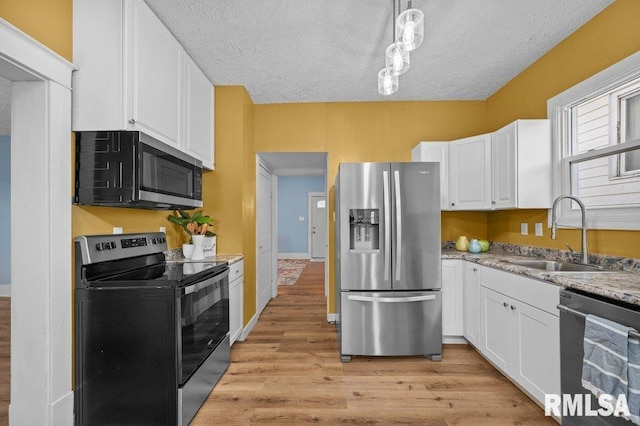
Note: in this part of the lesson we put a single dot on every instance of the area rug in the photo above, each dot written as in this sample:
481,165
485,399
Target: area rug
289,270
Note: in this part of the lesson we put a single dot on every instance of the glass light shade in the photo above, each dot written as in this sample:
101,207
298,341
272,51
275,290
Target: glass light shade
410,28
387,81
397,58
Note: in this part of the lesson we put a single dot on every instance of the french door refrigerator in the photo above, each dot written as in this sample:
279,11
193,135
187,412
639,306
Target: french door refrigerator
388,259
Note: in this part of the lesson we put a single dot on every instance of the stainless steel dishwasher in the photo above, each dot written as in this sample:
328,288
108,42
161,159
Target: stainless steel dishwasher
574,306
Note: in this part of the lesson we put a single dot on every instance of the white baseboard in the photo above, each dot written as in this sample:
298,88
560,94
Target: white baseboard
318,259
247,329
5,290
454,340
293,256
333,317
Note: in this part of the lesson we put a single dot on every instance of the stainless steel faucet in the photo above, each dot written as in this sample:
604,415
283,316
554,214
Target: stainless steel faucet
554,224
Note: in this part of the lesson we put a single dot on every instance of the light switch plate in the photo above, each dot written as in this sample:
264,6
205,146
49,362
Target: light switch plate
538,229
301,218
117,229
524,229
163,229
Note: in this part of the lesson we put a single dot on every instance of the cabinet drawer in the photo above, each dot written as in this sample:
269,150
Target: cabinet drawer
236,270
533,292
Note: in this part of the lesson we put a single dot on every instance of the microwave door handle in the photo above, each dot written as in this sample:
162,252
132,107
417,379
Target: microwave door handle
396,181
387,224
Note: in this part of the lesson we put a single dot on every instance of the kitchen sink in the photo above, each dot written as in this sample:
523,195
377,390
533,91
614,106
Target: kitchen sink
552,265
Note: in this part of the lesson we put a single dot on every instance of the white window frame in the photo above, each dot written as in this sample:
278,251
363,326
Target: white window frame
559,112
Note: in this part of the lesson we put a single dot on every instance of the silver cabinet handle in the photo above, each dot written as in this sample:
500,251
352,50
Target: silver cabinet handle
391,299
387,224
396,181
475,269
513,308
505,304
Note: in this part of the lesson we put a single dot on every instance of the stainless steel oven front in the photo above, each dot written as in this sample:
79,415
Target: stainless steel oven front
203,337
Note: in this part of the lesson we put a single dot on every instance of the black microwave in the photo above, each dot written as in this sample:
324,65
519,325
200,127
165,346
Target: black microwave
132,169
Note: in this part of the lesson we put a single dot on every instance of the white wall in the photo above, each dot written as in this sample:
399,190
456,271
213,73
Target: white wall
5,212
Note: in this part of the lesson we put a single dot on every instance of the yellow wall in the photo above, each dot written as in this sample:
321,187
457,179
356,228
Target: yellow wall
371,131
608,38
48,21
229,191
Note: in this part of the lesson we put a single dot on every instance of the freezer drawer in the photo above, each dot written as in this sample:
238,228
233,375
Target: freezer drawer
391,324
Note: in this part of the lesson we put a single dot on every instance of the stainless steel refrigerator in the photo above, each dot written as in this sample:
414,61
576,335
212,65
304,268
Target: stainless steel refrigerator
388,259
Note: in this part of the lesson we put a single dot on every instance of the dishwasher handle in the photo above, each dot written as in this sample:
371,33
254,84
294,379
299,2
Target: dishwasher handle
579,314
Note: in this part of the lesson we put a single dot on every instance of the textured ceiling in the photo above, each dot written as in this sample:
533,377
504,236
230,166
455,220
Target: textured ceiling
331,50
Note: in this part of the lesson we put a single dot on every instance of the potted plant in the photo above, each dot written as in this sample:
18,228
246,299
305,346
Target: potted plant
198,227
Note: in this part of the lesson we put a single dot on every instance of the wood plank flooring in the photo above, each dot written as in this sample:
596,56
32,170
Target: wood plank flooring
288,371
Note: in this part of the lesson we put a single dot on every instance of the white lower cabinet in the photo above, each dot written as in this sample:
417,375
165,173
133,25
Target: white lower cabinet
471,300
236,284
520,330
452,298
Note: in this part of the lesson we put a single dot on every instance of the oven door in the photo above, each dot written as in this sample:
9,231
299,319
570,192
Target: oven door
203,310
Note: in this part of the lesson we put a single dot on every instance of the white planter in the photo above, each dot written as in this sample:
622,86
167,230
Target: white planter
198,253
209,246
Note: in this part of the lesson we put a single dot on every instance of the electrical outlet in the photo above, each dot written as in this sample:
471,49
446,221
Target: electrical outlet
538,229
524,229
117,229
301,218
163,229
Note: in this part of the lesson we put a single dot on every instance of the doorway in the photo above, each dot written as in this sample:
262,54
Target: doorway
317,226
264,262
291,213
40,183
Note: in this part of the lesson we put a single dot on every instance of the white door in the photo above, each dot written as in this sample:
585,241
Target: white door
452,314
470,173
496,322
318,226
263,219
472,303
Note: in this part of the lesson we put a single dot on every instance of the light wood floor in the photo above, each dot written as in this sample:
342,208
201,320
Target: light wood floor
288,370
5,353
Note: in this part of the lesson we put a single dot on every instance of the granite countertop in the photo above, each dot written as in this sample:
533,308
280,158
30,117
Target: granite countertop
620,282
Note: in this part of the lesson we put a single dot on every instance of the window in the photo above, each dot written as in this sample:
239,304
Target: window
596,134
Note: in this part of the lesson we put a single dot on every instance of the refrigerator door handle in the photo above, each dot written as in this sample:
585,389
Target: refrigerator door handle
387,225
391,299
396,181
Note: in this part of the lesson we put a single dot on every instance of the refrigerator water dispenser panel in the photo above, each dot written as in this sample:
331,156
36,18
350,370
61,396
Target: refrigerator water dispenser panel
364,229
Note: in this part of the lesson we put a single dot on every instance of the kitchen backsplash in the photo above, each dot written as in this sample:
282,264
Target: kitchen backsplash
608,262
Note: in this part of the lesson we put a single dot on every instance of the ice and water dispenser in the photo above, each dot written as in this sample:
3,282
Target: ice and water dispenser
364,229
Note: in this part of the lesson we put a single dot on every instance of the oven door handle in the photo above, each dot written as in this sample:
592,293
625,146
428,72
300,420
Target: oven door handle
579,314
202,284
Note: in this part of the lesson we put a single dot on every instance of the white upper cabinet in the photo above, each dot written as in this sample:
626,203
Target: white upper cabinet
133,75
470,173
521,165
436,152
154,75
199,104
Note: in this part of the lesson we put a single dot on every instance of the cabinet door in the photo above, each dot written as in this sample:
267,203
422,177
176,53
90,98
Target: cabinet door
436,152
470,173
472,303
536,351
496,323
504,167
155,76
198,139
452,313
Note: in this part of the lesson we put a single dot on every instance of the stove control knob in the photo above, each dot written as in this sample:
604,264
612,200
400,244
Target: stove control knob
99,247
112,245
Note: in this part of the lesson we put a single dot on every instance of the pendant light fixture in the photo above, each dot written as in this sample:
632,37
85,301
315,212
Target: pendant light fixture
410,27
407,35
387,81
